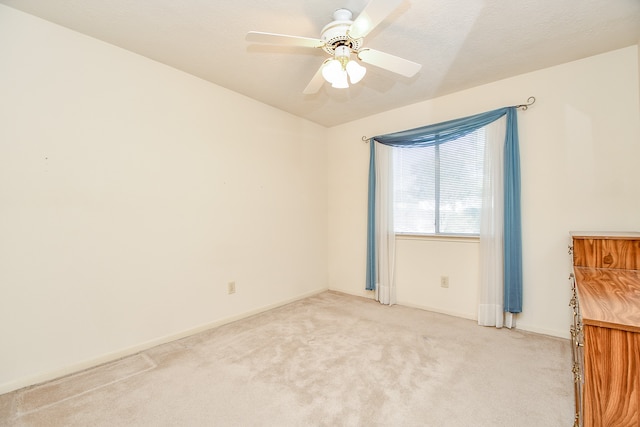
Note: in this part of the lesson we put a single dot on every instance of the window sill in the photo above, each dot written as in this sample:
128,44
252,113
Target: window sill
439,238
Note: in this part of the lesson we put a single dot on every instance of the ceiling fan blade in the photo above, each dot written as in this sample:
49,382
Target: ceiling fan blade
373,14
282,39
316,82
389,62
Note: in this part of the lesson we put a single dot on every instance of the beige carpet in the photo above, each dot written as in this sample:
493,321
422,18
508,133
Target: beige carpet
328,360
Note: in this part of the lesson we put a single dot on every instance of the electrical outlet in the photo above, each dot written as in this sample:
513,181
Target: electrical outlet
231,288
444,281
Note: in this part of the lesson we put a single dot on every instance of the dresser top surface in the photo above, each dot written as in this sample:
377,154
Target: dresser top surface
605,235
609,297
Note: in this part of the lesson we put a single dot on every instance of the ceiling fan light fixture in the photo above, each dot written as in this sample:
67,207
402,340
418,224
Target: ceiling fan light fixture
341,81
332,70
356,71
341,70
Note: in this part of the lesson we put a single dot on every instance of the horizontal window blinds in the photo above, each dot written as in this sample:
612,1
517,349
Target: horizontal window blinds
438,188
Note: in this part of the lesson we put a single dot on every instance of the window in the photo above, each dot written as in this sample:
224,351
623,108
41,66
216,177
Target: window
438,189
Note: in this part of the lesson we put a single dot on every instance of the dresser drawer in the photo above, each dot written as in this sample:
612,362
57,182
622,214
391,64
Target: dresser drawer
606,253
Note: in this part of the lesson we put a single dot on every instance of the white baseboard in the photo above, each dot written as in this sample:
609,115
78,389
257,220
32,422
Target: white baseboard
519,325
439,310
543,331
362,293
110,357
372,295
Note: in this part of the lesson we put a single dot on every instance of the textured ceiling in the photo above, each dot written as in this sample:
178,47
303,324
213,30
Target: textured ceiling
460,43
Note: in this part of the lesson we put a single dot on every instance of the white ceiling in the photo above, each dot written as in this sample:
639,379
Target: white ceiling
460,43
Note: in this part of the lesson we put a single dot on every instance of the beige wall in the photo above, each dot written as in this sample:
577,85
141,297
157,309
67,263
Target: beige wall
131,193
580,145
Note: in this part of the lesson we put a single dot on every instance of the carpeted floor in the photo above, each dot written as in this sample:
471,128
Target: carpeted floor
327,360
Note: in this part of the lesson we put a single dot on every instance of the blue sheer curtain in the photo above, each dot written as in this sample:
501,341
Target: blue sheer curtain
448,131
512,218
371,220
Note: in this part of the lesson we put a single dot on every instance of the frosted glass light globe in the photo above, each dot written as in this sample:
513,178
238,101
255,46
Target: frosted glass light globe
332,70
356,71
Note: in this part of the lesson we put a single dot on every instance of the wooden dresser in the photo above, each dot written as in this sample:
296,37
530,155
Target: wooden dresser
606,328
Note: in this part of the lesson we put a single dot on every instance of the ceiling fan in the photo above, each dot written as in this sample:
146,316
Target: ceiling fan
341,39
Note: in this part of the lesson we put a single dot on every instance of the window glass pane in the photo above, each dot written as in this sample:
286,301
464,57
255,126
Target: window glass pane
461,185
446,180
414,190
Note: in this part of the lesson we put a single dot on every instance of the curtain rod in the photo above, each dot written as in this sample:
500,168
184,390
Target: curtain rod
530,101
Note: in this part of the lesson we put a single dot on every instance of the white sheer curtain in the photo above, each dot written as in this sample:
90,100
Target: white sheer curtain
491,301
385,234
501,276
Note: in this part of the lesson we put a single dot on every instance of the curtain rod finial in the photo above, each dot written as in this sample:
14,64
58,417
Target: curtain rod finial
530,101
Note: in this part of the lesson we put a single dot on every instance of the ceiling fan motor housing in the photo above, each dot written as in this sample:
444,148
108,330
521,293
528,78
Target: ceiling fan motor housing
334,34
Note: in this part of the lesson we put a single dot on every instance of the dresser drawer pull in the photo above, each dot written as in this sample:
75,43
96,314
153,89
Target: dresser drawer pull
577,377
573,303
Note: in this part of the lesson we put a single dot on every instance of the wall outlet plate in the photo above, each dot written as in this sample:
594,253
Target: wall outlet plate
444,281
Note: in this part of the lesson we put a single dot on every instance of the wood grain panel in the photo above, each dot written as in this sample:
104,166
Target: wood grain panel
612,378
609,297
607,287
606,253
